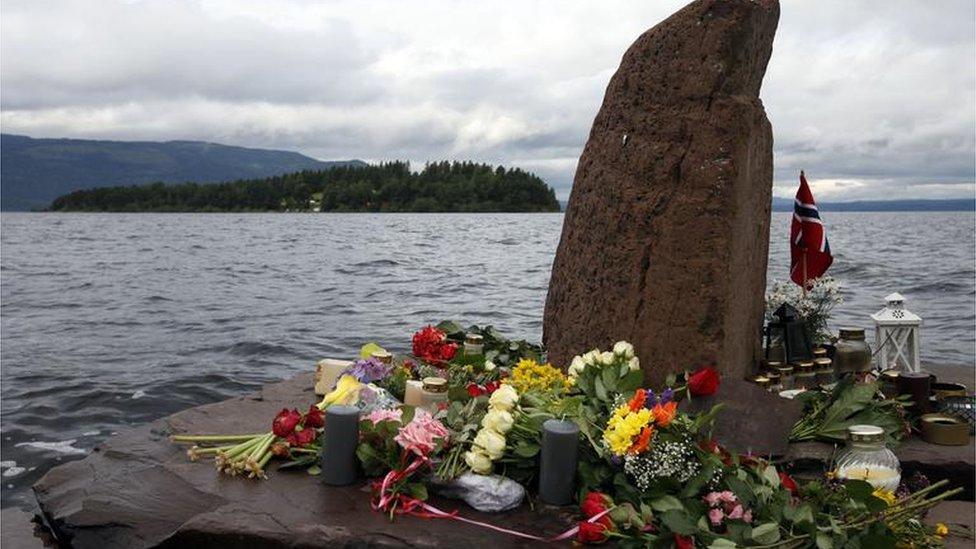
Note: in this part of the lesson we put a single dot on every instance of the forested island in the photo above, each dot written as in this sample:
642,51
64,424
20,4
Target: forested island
385,187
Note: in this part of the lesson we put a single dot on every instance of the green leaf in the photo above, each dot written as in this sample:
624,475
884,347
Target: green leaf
678,522
859,490
600,388
666,503
631,382
824,541
315,470
766,533
722,543
608,375
804,514
771,476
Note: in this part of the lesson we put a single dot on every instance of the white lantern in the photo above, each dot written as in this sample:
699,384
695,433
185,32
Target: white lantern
896,332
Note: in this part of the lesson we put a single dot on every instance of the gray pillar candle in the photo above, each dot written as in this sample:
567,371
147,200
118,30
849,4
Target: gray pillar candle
339,466
557,467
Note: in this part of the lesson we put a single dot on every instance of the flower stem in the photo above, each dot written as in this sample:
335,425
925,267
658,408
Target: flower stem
211,438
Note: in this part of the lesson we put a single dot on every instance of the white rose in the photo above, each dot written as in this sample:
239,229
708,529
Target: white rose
489,365
479,462
577,366
504,398
606,358
491,442
633,364
498,420
624,349
591,357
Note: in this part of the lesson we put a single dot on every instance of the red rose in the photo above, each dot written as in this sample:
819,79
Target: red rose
683,542
314,418
788,483
593,532
474,390
492,386
301,438
594,503
703,382
431,345
285,422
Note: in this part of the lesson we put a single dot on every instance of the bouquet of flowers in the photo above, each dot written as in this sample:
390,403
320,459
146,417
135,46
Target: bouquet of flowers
813,306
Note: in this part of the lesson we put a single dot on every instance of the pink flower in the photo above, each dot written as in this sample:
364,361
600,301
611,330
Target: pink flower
712,499
747,516
381,414
736,512
421,435
716,515
727,497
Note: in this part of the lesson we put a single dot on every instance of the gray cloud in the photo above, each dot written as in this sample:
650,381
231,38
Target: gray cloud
873,98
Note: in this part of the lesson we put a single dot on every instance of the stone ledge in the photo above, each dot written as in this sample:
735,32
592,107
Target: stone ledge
139,490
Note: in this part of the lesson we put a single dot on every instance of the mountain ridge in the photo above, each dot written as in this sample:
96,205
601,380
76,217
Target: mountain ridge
34,171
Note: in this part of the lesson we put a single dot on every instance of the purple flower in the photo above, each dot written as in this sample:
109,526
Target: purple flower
368,371
652,400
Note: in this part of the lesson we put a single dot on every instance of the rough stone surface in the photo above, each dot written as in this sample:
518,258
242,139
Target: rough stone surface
665,237
139,490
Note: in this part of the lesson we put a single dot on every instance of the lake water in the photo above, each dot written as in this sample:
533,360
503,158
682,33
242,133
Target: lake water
112,320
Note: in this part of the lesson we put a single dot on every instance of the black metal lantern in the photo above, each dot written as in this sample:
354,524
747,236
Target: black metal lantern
788,328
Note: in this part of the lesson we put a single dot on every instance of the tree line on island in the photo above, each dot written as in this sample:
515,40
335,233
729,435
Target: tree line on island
386,187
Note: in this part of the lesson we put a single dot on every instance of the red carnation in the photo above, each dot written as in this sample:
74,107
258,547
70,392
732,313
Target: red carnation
431,345
301,438
594,532
683,542
788,483
285,422
594,503
314,418
703,382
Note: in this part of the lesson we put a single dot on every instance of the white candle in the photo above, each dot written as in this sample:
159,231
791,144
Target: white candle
413,395
327,372
875,475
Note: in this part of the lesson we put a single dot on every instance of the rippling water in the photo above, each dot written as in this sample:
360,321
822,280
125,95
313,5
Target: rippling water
110,320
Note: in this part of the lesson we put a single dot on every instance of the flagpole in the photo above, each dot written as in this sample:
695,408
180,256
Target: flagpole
804,273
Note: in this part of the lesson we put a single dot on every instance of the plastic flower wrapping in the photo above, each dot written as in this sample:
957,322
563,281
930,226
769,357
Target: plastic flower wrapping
650,474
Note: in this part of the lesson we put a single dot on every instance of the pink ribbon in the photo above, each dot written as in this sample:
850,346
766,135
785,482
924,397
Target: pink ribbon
385,498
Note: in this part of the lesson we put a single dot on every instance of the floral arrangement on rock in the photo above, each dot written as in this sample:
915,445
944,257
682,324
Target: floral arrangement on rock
813,306
649,474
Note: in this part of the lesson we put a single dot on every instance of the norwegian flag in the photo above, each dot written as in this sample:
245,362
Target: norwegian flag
809,250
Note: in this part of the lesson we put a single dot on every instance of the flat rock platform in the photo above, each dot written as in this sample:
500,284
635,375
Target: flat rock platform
139,490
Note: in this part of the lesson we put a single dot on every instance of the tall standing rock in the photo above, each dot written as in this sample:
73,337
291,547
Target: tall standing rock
666,235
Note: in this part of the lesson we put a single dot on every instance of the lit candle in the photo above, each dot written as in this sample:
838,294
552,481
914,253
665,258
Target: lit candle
339,466
557,465
413,395
878,476
327,372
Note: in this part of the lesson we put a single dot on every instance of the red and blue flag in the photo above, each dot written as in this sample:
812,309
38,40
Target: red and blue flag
809,250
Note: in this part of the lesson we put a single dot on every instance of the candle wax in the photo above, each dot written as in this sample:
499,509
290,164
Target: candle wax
877,476
413,394
327,372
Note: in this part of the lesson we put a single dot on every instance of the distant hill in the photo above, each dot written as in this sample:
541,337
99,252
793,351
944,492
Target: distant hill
949,205
35,171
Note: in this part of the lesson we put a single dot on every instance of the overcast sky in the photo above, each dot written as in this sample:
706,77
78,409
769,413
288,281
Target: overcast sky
875,99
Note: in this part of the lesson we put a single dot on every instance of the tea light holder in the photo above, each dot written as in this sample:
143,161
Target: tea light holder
557,465
339,466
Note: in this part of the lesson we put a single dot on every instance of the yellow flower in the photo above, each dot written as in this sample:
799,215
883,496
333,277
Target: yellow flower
884,495
346,393
941,530
623,426
529,374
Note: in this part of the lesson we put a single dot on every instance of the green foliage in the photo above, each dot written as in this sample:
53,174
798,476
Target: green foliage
497,348
386,187
827,415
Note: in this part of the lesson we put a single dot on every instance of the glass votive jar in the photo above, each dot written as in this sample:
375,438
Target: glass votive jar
804,377
775,386
852,353
867,458
474,344
785,377
824,368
